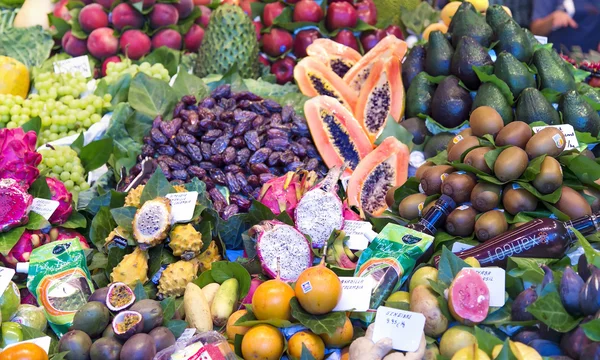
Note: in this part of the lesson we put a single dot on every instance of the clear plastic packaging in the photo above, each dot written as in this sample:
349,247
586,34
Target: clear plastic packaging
208,345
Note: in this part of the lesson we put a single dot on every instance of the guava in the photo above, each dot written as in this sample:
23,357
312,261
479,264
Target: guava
468,297
422,277
32,316
9,301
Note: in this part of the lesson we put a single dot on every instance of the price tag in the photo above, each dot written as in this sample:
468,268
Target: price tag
44,207
458,247
542,39
494,278
43,342
74,65
357,234
356,294
187,334
405,328
6,275
183,205
567,130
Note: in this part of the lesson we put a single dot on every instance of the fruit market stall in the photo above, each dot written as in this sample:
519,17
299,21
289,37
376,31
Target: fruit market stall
294,180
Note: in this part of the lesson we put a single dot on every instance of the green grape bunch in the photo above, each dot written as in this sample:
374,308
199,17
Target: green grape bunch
114,70
63,163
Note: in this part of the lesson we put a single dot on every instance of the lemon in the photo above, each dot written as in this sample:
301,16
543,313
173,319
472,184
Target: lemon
15,77
473,262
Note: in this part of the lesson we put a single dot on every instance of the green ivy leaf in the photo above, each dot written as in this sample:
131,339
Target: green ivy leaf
484,76
319,324
224,270
140,292
592,329
169,58
549,310
506,353
75,221
115,255
157,186
102,224
39,189
34,124
188,84
96,154
168,307
394,129
449,266
485,340
124,217
152,97
36,222
177,327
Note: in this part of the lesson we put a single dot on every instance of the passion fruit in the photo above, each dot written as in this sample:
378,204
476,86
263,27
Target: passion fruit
318,289
163,338
119,296
231,330
341,337
313,343
105,349
151,311
92,318
138,347
99,295
271,300
77,344
127,323
263,342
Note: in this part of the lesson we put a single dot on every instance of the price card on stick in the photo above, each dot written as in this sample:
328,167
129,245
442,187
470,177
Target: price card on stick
356,294
183,205
494,278
44,207
43,342
567,131
6,275
405,328
79,64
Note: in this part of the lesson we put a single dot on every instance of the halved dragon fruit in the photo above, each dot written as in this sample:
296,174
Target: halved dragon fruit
18,158
60,233
279,245
14,204
21,251
119,297
283,193
65,199
320,211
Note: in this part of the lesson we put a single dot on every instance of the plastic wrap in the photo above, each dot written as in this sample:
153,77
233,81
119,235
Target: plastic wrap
207,345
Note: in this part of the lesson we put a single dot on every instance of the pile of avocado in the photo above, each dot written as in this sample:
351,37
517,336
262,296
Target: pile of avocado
453,74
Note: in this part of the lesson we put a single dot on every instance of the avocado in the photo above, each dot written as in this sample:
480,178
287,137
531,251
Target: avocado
532,40
495,16
589,92
439,55
565,64
553,75
472,24
469,53
413,64
533,106
419,96
458,15
416,126
490,95
578,113
512,39
514,73
437,143
451,103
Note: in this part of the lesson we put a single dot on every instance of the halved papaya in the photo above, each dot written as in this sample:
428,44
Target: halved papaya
384,168
315,78
388,46
340,58
338,136
381,95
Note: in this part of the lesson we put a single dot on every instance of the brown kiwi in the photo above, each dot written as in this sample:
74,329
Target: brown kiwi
490,224
516,133
486,196
465,144
516,199
485,120
389,196
476,159
431,181
550,176
411,205
459,185
458,138
549,141
573,204
510,164
596,195
422,168
461,221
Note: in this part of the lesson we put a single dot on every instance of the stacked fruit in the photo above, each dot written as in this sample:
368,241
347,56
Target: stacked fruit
62,162
491,167
115,69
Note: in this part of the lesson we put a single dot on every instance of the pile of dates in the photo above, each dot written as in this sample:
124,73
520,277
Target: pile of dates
236,140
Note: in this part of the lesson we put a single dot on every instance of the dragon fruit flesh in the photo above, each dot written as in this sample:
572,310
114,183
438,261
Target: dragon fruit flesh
18,158
14,204
21,251
283,193
59,233
65,199
320,211
281,249
349,214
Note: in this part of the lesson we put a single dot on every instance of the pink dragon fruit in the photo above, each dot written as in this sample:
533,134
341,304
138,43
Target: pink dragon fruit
253,285
59,233
18,158
279,245
283,193
349,214
320,210
21,251
27,297
64,197
14,204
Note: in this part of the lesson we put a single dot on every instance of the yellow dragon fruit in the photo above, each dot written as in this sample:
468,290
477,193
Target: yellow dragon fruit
152,222
185,241
209,256
132,268
176,276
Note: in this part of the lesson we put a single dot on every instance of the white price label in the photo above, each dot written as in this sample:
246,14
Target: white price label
356,294
44,207
458,247
183,205
405,328
79,64
43,342
357,232
187,334
6,275
567,131
494,278
542,39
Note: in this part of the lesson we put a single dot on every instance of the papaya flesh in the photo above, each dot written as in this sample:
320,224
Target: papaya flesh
315,78
388,46
384,168
381,95
338,136
468,297
340,58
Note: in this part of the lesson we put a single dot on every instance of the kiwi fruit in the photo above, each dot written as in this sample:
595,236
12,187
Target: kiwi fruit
591,192
436,143
416,126
516,133
490,224
476,159
573,204
389,196
427,207
458,186
485,120
421,169
411,205
431,181
461,221
460,136
510,164
549,141
463,145
486,196
516,199
550,176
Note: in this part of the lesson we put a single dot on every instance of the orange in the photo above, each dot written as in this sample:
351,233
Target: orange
262,342
25,351
341,337
231,329
318,290
433,27
448,11
345,353
271,300
313,343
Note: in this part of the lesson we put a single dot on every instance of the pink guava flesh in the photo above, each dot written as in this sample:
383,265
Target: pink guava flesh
469,297
65,199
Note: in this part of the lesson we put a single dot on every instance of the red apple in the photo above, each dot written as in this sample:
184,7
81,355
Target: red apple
258,26
61,10
341,15
369,39
204,19
367,11
193,39
92,17
394,30
276,42
346,37
272,11
303,39
262,58
112,59
283,69
308,10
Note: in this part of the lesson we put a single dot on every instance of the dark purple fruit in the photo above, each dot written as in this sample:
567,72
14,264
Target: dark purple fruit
138,347
77,344
120,296
548,276
546,347
151,311
92,318
589,297
591,351
582,268
105,349
573,342
527,335
109,333
519,308
569,289
163,338
99,295
126,324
